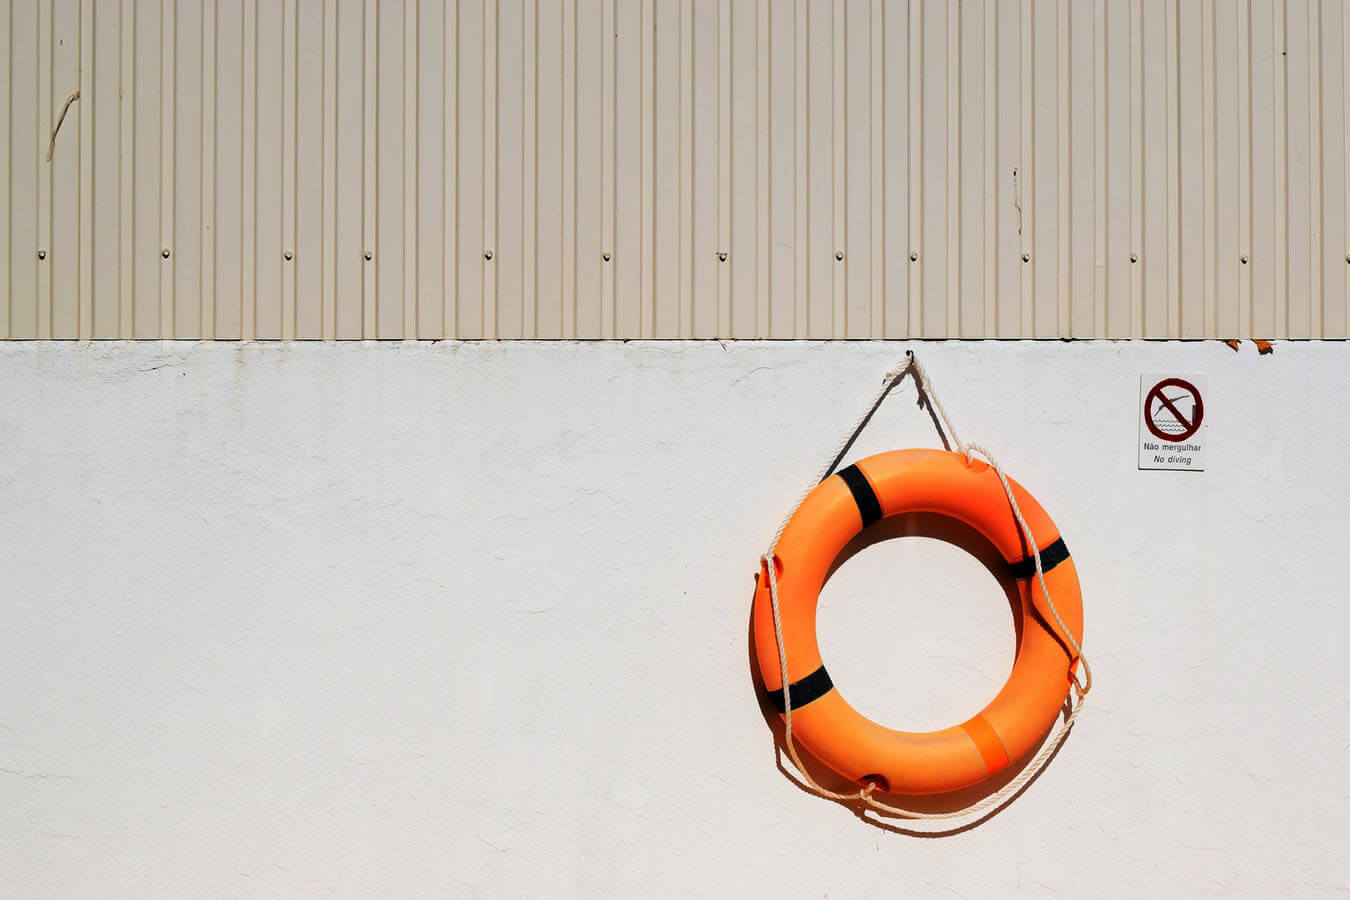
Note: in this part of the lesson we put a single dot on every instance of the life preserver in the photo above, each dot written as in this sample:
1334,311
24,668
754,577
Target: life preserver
1016,719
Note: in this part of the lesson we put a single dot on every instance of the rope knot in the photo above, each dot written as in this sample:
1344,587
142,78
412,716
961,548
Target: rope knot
1083,684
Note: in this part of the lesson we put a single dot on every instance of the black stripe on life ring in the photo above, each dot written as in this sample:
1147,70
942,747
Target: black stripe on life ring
1051,556
809,689
863,495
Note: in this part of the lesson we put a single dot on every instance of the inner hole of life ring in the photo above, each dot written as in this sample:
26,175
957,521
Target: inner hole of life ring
910,624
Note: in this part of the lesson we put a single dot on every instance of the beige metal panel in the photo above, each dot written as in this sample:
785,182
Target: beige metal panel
1169,308
1045,188
1263,52
857,157
181,190
126,173
473,244
894,180
1303,169
1335,194
1064,175
6,175
1244,142
1082,154
800,157
529,169
968,306
168,163
195,156
591,43
430,180
1154,257
1279,174
705,247
937,167
85,216
226,236
408,85
548,198
763,198
1013,225
64,171
307,257
1122,133
724,139
743,146
209,220
668,170
629,229
1210,201
349,264
1194,171
634,168
645,265
45,120
328,220
1336,310
390,143
266,191
26,242
607,93
1025,167
1228,188
568,225
818,26
290,195
509,309
838,194
370,107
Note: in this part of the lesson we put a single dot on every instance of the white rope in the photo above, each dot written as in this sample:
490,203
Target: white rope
889,381
1081,686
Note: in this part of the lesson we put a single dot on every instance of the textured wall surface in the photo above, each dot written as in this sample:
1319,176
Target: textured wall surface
675,168
472,620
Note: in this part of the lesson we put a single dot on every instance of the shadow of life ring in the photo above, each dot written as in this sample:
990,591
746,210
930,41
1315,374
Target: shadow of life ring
1022,713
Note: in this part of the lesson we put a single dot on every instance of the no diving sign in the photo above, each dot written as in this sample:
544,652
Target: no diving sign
1172,422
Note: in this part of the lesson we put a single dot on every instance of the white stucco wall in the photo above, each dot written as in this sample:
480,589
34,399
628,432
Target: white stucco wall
471,620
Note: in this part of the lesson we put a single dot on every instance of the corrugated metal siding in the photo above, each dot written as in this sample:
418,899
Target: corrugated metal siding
652,168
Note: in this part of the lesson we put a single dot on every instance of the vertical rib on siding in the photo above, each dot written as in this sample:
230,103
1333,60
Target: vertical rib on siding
1335,193
636,168
7,216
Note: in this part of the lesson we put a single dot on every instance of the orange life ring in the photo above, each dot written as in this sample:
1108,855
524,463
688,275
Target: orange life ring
1019,716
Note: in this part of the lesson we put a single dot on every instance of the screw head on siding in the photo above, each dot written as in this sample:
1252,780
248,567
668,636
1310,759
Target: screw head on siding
605,256
1134,257
369,255
42,253
914,256
165,252
1347,257
1243,259
839,255
721,256
289,254
1026,257
487,254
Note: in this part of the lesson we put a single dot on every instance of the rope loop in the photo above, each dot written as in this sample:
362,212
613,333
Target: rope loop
1081,684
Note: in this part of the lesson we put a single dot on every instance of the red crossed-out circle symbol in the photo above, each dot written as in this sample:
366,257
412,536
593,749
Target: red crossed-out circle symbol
1162,416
